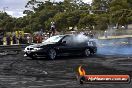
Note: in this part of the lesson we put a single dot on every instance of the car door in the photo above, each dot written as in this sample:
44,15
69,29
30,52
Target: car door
77,45
66,48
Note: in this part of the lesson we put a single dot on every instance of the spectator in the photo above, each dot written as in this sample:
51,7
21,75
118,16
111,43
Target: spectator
37,39
52,30
50,33
14,39
20,40
91,35
40,39
105,34
1,41
8,39
1,38
28,39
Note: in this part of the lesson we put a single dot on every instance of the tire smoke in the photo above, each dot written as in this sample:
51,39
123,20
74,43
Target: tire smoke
121,46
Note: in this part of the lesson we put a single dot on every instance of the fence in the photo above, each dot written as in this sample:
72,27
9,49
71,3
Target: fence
12,48
114,33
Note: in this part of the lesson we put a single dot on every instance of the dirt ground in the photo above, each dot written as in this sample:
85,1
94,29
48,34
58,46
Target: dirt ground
17,71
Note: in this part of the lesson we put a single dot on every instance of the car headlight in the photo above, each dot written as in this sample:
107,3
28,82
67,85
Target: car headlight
36,49
31,49
25,49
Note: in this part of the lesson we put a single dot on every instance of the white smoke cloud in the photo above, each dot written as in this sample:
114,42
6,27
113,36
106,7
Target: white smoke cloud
81,38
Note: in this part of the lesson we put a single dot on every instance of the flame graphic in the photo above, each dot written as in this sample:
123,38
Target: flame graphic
81,71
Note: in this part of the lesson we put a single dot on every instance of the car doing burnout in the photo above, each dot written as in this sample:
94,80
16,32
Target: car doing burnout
62,45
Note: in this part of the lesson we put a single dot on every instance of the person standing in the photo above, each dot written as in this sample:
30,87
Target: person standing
52,30
28,39
14,39
1,37
105,34
8,40
1,40
20,39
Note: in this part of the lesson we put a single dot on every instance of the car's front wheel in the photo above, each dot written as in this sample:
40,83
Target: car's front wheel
52,54
33,57
87,52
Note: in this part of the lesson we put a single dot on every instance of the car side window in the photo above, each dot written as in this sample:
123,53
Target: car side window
68,40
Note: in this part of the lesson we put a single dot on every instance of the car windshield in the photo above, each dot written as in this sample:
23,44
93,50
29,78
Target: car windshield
54,39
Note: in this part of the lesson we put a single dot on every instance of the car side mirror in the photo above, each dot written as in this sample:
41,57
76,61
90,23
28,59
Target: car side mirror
64,42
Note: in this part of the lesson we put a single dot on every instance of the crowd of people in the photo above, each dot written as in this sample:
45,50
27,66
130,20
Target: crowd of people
13,39
27,38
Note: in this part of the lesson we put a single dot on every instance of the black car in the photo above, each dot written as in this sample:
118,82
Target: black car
62,45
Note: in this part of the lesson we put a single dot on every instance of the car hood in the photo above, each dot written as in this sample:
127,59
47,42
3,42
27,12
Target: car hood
39,45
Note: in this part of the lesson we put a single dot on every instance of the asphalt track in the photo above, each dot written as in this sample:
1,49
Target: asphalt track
17,71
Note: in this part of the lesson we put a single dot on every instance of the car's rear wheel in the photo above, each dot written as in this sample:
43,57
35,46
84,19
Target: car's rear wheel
52,54
87,52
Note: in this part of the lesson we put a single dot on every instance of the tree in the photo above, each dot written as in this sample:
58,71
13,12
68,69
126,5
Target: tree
6,22
61,21
70,13
100,6
34,4
87,21
102,22
120,12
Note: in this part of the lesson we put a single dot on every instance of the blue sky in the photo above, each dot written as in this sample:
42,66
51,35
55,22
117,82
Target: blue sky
15,8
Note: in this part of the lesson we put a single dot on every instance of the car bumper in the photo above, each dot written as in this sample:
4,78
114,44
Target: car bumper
35,54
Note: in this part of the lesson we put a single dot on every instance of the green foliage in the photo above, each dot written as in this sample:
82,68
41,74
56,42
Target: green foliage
87,21
102,22
6,22
69,13
120,11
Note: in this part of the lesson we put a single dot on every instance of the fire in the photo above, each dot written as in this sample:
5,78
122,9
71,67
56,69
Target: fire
81,71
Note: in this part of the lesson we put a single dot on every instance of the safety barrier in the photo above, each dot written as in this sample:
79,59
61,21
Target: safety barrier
17,47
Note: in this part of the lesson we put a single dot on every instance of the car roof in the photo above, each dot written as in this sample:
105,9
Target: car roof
67,35
70,34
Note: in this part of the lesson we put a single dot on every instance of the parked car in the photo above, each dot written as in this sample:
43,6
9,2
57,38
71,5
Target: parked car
61,45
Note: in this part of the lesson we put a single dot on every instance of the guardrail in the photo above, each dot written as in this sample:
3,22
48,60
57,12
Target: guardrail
12,48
